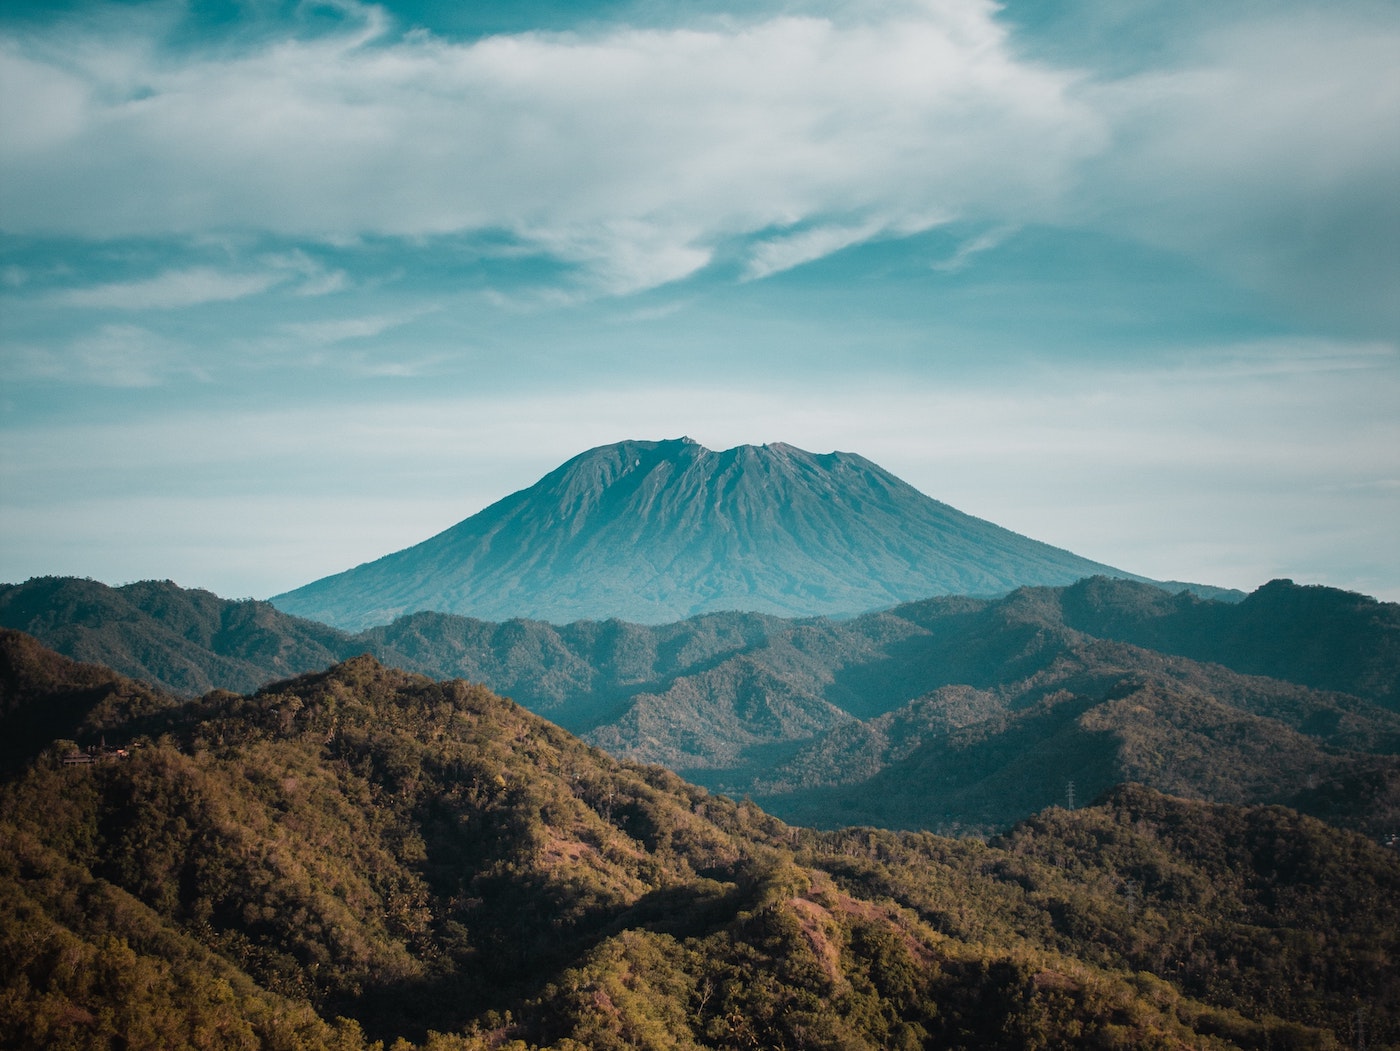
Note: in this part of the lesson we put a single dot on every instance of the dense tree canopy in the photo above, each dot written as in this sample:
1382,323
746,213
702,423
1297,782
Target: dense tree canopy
952,714
364,856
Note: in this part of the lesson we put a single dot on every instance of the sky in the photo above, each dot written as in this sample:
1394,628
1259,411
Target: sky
285,287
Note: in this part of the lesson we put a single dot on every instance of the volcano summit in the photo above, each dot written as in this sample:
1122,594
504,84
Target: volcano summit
653,532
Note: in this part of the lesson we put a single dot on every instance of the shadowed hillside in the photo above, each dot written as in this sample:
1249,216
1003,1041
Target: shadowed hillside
1317,636
1098,714
185,640
44,696
950,713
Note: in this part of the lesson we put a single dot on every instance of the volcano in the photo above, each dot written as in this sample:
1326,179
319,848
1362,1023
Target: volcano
657,531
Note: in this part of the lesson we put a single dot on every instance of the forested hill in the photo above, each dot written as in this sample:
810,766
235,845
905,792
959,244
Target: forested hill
947,714
190,641
184,640
44,696
1317,636
365,855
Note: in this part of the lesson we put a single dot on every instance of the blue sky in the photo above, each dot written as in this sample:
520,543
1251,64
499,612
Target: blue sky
288,286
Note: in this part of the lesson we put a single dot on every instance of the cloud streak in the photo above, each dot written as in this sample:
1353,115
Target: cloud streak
168,291
117,355
343,329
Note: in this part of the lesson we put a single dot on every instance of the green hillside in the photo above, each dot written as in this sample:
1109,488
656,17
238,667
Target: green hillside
185,641
364,855
950,714
1092,714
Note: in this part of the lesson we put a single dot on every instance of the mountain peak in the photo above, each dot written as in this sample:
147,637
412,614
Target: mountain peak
654,531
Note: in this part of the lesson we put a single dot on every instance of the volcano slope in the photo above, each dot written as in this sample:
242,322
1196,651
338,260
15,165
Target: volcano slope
364,855
654,532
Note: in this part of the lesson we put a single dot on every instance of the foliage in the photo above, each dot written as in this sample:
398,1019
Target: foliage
180,640
44,696
951,714
365,856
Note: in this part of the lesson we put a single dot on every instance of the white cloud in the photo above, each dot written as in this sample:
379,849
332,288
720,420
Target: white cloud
324,284
631,152
775,254
401,368
1270,155
1261,142
195,286
983,242
316,280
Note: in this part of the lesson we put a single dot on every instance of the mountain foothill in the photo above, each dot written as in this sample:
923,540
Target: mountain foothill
681,749
951,714
366,858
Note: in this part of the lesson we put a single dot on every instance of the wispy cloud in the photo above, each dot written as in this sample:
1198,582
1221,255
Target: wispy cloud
341,330
402,368
170,290
314,278
785,251
295,272
128,356
965,252
324,284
